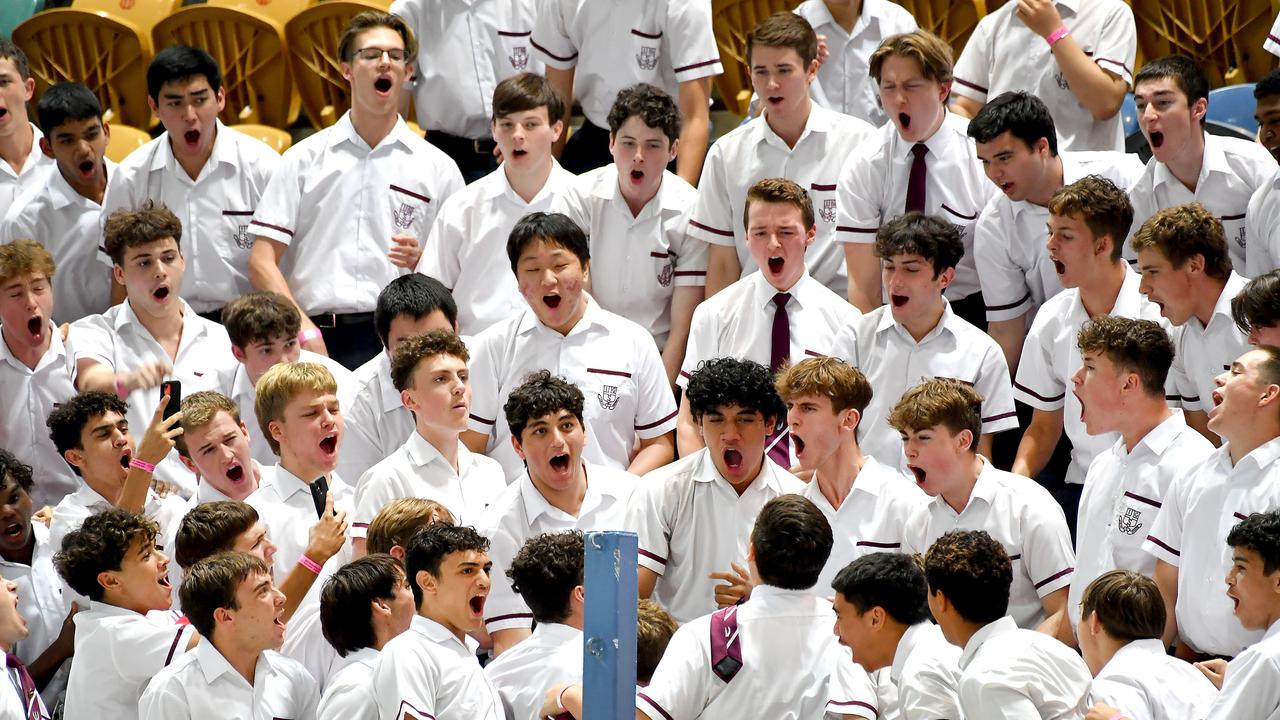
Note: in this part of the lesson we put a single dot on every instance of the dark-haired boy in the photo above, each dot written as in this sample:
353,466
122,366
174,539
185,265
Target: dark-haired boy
1266,95
26,700
1256,309
24,165
1262,253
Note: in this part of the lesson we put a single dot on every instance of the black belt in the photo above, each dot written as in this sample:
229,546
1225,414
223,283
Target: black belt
447,142
333,320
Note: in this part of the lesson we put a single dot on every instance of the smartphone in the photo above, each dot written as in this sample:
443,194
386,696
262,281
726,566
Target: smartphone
175,396
319,492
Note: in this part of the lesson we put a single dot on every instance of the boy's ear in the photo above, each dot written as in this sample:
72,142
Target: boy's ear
75,456
426,582
222,615
850,418
515,443
45,148
237,353
188,464
108,580
557,128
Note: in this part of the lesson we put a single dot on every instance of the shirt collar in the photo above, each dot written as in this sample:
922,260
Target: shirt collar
1213,160
164,159
1002,626
945,321
1129,301
535,505
287,484
907,645
212,663
1272,631
820,120
1072,6
422,453
55,350
766,478
1222,308
440,635
345,131
192,325
497,185
939,143
1259,457
555,634
607,189
1135,651
529,321
1161,436
984,488
764,292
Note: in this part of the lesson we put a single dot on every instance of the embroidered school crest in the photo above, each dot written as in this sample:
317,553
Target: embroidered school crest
1240,237
519,58
828,211
666,273
1130,522
1061,80
242,238
608,397
404,216
647,58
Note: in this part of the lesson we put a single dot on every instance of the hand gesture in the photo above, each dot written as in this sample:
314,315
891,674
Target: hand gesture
738,587
1039,15
158,440
43,515
405,251
1213,669
328,534
147,376
824,52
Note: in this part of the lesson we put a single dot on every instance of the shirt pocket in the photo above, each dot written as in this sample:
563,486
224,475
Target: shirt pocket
663,265
235,226
823,196
515,51
646,52
410,211
1233,228
1132,516
610,392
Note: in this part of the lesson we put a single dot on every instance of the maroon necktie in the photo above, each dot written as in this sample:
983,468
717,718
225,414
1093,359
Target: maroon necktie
779,353
30,700
916,181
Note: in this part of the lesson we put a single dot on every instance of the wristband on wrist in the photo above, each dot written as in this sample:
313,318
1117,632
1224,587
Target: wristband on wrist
121,390
309,564
560,698
1058,34
307,336
142,465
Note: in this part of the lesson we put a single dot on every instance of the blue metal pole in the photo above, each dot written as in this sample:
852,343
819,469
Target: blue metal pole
609,627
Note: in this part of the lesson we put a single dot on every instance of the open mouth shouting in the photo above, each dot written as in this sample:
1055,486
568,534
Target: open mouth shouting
161,293
125,458
163,579
1058,266
551,301
36,326
4,114
560,463
919,472
1157,139
898,300
14,533
733,459
904,120
383,85
235,474
329,445
776,264
476,604
87,168
191,138
775,100
1006,188
797,442
279,622
519,152
637,177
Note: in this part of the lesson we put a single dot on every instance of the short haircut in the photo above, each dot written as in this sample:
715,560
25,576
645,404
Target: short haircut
545,571
1269,368
66,102
525,92
782,192
177,63
14,470
829,377
1021,114
1099,204
973,571
893,581
940,401
931,52
212,583
554,229
1186,73
24,257
100,545
792,541
198,410
210,528
346,618
1268,86
1182,232
67,421
1260,532
1135,346
785,29
1258,304
429,546
930,237
541,394
654,628
10,51
125,229
260,317
721,382
415,295
398,520
654,107
370,20
420,348
280,384
1128,604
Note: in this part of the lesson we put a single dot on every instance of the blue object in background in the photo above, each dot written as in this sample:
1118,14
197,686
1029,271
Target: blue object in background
609,625
1129,115
13,12
1234,105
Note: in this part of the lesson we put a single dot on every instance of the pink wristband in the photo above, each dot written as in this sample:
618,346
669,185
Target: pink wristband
1058,34
307,336
309,564
142,465
121,390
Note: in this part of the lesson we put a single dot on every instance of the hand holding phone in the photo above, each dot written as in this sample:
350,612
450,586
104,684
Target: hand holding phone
319,491
174,388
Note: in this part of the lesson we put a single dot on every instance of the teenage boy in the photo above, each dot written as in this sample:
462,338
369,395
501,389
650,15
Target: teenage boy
1018,145
920,160
1187,273
230,600
37,368
65,215
430,371
329,260
113,560
793,138
776,315
558,490
1256,309
632,416
918,335
1188,535
430,670
939,420
25,701
638,218
694,515
215,445
24,165
867,502
1262,253
1188,164
212,176
1266,95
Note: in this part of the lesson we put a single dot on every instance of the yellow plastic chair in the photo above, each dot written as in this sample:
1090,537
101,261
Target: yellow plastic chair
124,140
1224,36
312,41
732,21
282,11
144,14
278,139
951,21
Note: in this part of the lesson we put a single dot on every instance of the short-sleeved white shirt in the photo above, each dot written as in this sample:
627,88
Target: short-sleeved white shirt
202,684
214,209
35,173
1003,54
1262,223
284,504
872,189
464,50
1231,171
613,45
894,362
524,673
611,359
1190,533
1272,45
1008,672
1010,239
40,603
70,514
29,396
377,422
926,672
350,694
1123,493
305,641
752,152
467,251
1020,515
521,512
1251,688
1050,356
692,522
1203,353
336,203
638,261
428,672
1145,683
417,469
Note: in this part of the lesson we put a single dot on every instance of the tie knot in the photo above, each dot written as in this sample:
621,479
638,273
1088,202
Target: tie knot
781,299
12,660
919,150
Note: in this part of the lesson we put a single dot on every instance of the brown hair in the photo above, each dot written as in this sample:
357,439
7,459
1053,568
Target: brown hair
210,528
198,410
780,190
125,229
212,583
941,401
279,384
1098,203
414,351
370,20
785,29
1129,605
398,520
654,628
24,257
1141,347
829,377
1183,231
524,92
931,52
260,317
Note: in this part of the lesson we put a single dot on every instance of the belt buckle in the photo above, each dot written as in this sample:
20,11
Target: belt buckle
325,320
482,146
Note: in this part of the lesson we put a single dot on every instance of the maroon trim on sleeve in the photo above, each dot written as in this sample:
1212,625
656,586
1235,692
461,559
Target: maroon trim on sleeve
849,229
708,228
486,421
1037,395
277,228
1139,498
1054,576
1009,306
174,647
652,556
1001,416
656,424
511,616
1157,541
550,54
697,65
968,84
663,711
855,703
417,714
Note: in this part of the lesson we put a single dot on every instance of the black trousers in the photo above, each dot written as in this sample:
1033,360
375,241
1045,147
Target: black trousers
474,157
587,149
351,339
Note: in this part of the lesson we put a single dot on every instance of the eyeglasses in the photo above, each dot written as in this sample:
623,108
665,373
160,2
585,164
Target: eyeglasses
373,54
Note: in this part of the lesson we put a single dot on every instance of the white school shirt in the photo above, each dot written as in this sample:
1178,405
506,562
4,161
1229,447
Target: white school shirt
1003,54
14,704
894,362
417,469
1230,172
350,695
1123,493
1020,515
29,396
1262,224
377,422
1145,683
926,673
34,173
871,519
752,152
1008,673
1190,533
70,514
1050,356
1010,239
428,672
521,512
467,251
637,261
616,43
203,684
1203,353
692,522
117,652
872,189
611,359
336,202
464,50
305,641
41,604
844,81
523,674
1251,687
283,501
214,209
1272,45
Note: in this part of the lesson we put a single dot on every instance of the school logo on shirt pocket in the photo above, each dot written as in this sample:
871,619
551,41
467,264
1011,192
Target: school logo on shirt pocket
241,237
647,58
1130,522
238,224
403,216
608,397
405,206
828,211
519,58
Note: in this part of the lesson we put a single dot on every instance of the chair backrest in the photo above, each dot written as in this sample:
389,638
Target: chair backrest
282,11
278,139
13,12
106,54
951,21
1224,36
124,140
250,50
1234,105
144,14
1129,114
732,21
312,39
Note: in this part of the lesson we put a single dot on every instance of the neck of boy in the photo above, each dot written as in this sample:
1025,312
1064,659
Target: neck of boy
835,475
1252,435
443,440
373,128
1144,415
1044,193
1207,294
636,200
790,126
305,472
243,659
1105,648
1099,291
193,164
844,12
94,190
428,611
109,488
166,329
528,182
1187,163
17,146
26,354
569,500
958,497
923,324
